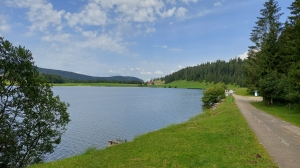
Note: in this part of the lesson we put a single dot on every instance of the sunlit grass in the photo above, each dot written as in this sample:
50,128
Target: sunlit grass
217,138
283,112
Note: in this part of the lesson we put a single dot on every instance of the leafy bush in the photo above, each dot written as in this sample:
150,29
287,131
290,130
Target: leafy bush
213,95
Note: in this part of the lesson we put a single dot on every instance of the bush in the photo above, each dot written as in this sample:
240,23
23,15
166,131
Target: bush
213,95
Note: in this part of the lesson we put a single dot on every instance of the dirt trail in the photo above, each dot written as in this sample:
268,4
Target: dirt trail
281,139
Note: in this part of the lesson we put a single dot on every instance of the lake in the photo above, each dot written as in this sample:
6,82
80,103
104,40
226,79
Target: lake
99,114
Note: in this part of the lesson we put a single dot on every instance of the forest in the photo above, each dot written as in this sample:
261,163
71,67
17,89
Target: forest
230,72
58,76
273,63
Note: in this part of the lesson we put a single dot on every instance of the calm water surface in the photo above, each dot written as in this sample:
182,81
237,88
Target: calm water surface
99,114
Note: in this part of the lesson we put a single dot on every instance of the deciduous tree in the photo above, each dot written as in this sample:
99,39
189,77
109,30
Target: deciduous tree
32,119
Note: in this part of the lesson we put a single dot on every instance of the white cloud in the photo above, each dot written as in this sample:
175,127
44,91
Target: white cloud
104,42
180,67
217,4
244,55
91,14
146,73
136,10
4,26
113,71
150,30
158,72
168,13
180,13
188,1
164,46
64,38
41,14
173,2
171,23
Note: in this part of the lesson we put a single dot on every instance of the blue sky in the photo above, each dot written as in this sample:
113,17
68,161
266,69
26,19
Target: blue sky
141,38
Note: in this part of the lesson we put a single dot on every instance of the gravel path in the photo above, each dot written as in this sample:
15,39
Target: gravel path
281,139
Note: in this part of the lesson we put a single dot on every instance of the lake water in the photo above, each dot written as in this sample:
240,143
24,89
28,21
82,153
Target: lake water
99,114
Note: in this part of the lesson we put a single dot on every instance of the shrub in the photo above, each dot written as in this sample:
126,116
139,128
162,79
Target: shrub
213,95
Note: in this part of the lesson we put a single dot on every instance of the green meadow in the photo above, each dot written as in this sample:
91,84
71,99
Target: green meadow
283,112
216,138
188,84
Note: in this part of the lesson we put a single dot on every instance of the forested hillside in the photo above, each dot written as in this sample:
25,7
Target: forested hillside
273,64
58,76
218,71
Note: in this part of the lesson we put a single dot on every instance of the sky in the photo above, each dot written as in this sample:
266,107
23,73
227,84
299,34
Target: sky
141,38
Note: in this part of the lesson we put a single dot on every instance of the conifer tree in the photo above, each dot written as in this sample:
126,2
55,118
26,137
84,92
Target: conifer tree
265,37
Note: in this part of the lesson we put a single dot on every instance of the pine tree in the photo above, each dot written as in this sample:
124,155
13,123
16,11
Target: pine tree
265,37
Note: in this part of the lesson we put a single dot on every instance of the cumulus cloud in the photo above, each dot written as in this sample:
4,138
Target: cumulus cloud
112,21
158,72
150,30
91,14
41,14
164,46
64,38
4,26
188,1
173,2
180,13
180,67
217,4
146,73
244,55
168,13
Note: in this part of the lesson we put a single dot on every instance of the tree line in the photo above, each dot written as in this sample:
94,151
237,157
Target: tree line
52,78
273,64
59,76
230,72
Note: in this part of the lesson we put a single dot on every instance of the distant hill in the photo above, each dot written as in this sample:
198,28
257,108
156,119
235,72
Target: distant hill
80,77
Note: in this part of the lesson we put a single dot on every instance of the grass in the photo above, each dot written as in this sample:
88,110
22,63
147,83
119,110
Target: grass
291,116
242,92
216,138
97,84
184,84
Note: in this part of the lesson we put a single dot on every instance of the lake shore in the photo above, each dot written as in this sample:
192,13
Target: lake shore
216,138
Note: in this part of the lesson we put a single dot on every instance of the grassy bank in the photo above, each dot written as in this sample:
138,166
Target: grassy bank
188,84
219,138
97,84
291,116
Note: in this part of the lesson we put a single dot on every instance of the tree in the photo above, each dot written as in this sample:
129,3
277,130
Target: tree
32,119
214,94
265,36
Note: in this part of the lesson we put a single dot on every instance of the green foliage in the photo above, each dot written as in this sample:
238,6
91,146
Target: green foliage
54,78
71,77
32,119
213,94
212,72
273,62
